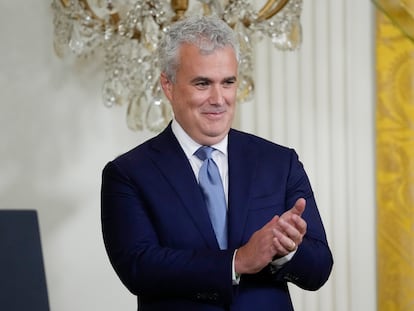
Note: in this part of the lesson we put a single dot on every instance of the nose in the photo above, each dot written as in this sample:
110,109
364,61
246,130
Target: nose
216,95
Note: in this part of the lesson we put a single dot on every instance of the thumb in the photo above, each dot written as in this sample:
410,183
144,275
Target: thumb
299,207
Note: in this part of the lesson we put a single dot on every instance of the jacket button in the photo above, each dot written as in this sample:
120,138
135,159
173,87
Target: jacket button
214,297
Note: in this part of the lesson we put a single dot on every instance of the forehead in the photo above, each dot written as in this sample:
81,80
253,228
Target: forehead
219,60
204,48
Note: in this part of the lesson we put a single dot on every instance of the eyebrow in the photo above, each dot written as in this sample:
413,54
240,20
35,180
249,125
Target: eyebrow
200,79
231,78
205,79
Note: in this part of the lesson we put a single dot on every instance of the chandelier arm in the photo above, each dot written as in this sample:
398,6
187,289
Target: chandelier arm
113,17
206,9
65,3
269,9
179,7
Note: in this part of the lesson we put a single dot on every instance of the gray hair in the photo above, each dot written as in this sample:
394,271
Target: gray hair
208,33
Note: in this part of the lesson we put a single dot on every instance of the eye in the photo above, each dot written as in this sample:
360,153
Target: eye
229,82
202,83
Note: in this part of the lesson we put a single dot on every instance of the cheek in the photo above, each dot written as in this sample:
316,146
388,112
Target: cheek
186,104
194,100
230,94
184,96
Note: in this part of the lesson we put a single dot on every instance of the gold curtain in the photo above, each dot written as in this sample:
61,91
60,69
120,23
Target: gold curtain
395,156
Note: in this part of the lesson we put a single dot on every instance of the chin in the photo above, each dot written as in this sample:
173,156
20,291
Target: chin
217,134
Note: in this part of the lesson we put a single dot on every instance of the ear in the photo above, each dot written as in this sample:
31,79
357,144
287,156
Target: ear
166,85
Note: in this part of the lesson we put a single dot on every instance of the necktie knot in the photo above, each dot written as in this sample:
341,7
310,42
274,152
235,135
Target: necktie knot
204,152
209,168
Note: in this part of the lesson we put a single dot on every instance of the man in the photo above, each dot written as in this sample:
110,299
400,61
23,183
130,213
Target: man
159,234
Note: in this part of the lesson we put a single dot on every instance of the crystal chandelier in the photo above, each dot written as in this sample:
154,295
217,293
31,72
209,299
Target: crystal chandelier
127,34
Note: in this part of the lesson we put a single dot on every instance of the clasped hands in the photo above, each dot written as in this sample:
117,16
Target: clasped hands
280,236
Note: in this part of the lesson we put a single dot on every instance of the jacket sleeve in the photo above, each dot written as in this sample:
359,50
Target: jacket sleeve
312,263
144,265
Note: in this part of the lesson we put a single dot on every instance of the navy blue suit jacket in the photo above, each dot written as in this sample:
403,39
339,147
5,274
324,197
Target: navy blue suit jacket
161,243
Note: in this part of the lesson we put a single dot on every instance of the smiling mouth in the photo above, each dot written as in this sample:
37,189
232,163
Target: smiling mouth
214,115
214,111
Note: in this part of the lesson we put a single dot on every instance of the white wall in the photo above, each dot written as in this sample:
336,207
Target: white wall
56,136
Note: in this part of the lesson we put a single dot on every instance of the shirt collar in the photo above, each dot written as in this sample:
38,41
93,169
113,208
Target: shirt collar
189,145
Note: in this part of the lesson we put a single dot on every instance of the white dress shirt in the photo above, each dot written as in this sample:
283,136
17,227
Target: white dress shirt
219,155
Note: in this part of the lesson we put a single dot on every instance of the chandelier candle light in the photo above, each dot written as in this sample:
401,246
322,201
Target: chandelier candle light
128,33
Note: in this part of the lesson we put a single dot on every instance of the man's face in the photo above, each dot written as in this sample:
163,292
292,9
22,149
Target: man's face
203,96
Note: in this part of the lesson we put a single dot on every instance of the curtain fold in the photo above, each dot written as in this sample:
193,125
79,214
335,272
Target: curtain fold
395,157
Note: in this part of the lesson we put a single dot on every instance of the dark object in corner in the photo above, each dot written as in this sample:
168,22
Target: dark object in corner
22,275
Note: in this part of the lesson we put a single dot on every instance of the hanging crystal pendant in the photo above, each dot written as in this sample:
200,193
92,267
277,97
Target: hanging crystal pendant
245,89
77,41
150,34
135,112
285,29
62,29
158,114
112,92
159,111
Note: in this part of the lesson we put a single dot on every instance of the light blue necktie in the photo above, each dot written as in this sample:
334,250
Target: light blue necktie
213,191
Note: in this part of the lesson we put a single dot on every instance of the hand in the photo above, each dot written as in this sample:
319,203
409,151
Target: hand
290,230
277,238
258,251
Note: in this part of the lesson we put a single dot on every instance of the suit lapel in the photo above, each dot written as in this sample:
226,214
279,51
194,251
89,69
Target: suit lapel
242,164
172,161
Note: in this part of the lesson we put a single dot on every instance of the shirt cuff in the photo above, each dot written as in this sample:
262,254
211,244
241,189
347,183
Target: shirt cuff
235,276
278,263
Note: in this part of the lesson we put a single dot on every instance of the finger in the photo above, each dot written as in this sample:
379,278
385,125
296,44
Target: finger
274,219
283,243
279,249
272,222
300,224
294,232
